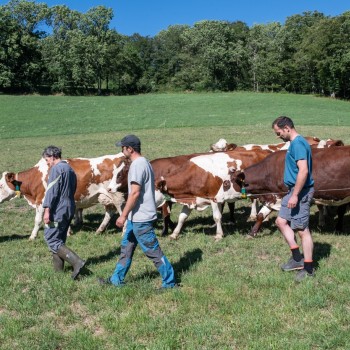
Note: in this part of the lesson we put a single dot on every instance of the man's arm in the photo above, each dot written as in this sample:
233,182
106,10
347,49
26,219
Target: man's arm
130,203
300,182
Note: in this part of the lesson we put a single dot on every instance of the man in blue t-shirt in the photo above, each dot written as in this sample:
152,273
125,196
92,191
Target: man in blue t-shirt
295,208
140,213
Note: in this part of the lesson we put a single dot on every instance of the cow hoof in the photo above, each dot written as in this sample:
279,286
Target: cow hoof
173,238
250,235
251,219
217,239
31,238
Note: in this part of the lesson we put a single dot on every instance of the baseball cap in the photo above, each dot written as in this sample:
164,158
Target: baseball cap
129,141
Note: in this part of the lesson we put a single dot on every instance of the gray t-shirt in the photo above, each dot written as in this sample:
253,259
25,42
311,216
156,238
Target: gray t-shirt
145,209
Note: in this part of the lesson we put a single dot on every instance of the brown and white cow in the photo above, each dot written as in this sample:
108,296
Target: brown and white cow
197,181
93,175
264,180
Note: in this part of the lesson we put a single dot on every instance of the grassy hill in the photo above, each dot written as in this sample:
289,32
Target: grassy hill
234,295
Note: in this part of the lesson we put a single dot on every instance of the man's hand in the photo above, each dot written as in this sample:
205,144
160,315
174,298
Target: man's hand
47,216
293,201
121,221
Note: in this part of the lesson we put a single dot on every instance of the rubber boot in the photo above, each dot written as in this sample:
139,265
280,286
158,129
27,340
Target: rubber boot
58,263
66,254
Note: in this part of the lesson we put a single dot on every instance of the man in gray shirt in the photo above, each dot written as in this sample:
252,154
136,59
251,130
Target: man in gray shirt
140,214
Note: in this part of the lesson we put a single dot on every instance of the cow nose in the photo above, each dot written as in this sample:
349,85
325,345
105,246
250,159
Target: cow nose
110,190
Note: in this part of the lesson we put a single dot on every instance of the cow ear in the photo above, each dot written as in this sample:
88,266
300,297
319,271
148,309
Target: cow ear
231,147
161,185
338,143
10,177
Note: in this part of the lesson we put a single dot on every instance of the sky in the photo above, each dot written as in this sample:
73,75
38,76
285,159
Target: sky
148,18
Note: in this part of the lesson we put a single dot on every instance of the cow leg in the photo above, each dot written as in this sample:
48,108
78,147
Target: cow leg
216,207
254,211
262,215
341,212
39,214
167,222
231,206
110,210
185,212
222,206
78,216
322,212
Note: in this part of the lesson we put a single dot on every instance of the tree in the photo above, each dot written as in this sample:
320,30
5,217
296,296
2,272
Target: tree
20,37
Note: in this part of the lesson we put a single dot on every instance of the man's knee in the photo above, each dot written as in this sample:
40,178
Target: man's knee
280,222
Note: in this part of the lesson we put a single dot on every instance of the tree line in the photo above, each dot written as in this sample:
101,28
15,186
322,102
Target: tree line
56,49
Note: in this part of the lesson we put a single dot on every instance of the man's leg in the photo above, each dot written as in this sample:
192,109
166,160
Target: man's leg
128,246
296,261
149,244
286,231
307,244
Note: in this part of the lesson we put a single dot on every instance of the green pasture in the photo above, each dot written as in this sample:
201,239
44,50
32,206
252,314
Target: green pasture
233,295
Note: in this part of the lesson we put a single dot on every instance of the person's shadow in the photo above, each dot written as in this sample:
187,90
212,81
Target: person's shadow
13,237
321,251
185,263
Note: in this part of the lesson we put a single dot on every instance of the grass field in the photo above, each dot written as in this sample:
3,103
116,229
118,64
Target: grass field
233,295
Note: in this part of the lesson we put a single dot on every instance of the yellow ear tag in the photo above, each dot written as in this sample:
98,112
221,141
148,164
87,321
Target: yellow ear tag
18,192
243,193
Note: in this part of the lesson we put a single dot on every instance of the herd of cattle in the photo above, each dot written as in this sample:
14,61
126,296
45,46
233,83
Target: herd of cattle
196,181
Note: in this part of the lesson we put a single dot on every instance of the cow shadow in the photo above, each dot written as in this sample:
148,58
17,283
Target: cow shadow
330,224
240,226
14,237
92,221
186,262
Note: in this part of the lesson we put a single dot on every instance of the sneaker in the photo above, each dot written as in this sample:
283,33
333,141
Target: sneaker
292,265
303,274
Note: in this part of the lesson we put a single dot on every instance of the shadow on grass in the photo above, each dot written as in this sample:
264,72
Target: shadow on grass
112,254
180,267
241,226
14,237
321,251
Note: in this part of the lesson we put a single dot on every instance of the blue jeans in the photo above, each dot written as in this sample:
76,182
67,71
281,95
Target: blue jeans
142,233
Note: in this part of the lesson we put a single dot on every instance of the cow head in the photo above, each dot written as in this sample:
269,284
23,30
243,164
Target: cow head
334,143
161,185
237,178
119,181
8,185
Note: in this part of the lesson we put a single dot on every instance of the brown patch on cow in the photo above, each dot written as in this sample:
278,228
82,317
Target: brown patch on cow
32,187
86,177
312,140
275,148
82,169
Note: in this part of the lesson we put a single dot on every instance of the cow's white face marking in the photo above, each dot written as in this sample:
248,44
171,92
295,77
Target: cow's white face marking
113,186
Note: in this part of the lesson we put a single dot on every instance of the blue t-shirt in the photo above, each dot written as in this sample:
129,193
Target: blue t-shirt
298,149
